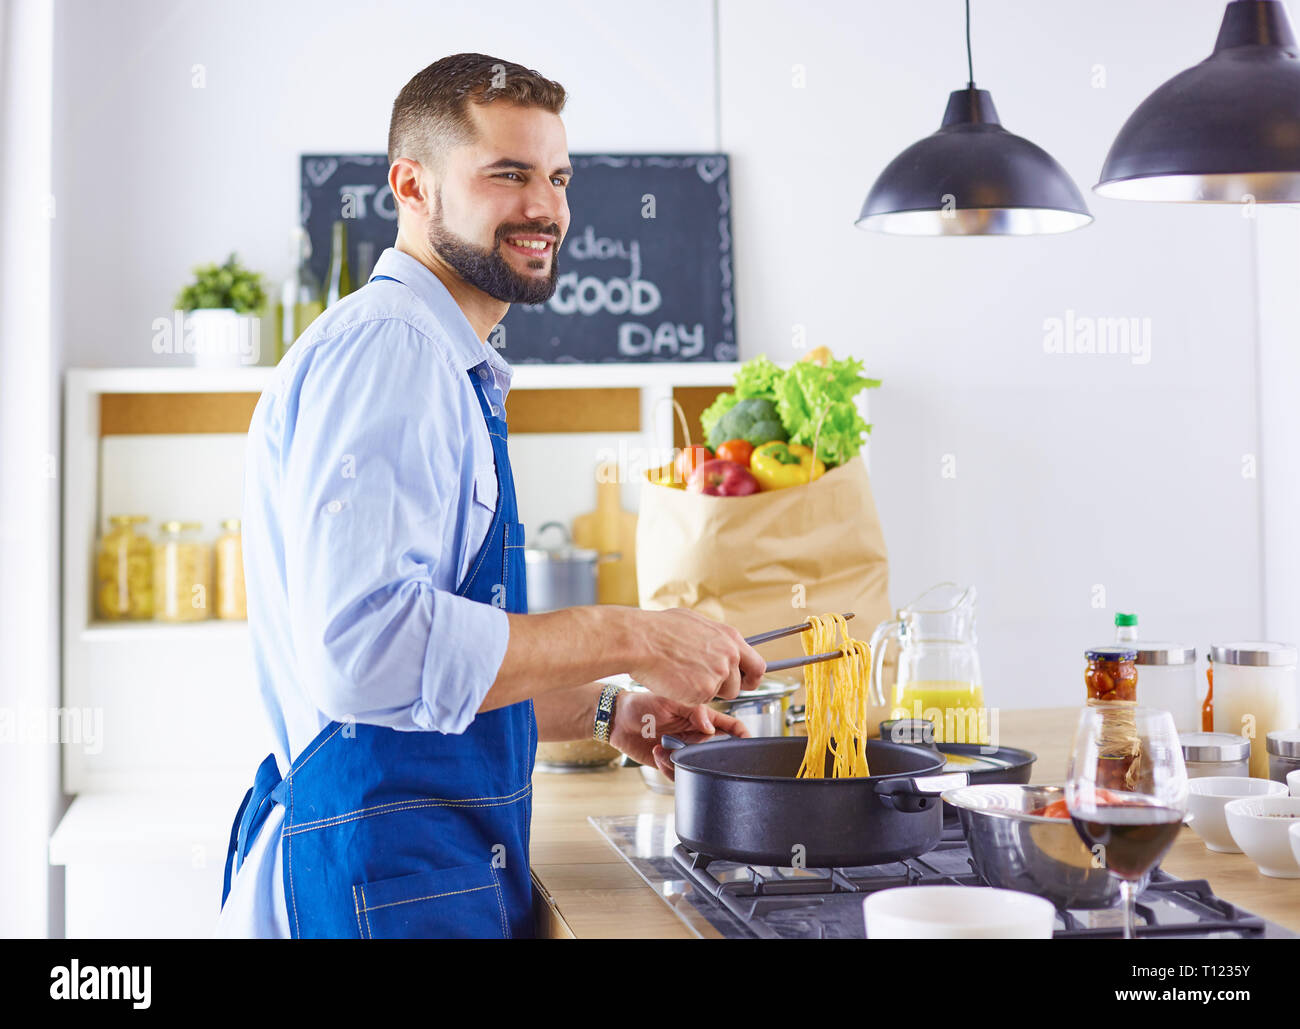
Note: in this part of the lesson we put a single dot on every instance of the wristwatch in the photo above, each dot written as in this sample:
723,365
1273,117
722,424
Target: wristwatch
605,713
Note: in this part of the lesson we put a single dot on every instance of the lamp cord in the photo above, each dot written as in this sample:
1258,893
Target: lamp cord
970,61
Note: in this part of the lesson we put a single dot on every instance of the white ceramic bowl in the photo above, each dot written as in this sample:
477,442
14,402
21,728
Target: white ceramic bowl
1293,782
1206,798
957,913
1261,830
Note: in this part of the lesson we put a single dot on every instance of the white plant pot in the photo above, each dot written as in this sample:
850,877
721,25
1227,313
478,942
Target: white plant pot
223,338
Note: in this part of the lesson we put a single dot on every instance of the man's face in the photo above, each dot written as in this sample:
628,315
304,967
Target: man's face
500,193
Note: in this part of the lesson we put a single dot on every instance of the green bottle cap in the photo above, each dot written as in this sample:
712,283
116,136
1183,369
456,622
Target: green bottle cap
1126,620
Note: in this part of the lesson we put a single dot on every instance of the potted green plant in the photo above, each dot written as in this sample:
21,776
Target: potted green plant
223,306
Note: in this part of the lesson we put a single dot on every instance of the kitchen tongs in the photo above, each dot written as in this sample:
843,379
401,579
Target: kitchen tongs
793,662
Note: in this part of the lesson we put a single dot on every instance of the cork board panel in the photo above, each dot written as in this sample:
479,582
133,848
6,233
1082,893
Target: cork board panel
140,414
694,399
574,410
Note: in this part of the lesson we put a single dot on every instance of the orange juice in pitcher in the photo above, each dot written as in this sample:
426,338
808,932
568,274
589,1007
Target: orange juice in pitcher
938,665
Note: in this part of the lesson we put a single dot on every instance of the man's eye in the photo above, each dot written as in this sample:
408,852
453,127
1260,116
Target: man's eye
504,174
559,181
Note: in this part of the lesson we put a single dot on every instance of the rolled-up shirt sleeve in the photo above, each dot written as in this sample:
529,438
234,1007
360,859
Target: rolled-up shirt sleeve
372,482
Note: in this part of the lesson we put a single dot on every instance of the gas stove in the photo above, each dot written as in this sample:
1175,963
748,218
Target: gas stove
718,898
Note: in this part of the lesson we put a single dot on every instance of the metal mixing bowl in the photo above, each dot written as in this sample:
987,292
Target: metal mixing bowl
1016,850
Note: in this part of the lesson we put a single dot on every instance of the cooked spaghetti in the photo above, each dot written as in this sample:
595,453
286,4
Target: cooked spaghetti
836,706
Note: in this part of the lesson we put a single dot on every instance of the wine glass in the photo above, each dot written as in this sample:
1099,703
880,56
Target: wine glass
1126,791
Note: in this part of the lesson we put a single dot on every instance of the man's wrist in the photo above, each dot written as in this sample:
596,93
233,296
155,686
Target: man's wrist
603,723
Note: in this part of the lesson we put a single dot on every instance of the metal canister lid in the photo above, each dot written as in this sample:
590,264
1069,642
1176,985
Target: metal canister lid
1253,653
1214,746
1283,742
1164,653
1110,653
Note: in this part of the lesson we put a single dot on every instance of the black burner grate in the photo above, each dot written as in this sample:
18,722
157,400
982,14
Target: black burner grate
784,903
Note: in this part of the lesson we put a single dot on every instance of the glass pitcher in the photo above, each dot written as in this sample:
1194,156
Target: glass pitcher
938,665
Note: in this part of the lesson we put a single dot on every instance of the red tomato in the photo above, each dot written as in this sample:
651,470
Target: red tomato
691,458
737,450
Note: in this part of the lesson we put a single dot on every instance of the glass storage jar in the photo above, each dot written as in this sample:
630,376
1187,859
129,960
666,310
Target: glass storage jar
124,571
182,573
1215,753
1283,748
1167,672
1255,694
231,600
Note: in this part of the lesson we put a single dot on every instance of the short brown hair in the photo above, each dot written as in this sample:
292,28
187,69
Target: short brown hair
430,115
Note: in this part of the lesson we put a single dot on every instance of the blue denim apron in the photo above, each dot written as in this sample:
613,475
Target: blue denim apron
413,834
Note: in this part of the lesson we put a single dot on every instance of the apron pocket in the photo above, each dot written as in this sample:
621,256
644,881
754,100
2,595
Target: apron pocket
450,903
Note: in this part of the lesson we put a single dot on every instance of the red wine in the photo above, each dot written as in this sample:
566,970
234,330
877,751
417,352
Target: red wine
1135,836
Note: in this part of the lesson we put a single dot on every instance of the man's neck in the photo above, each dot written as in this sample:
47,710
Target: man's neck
482,312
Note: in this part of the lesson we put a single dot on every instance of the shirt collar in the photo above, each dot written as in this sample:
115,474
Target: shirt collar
467,350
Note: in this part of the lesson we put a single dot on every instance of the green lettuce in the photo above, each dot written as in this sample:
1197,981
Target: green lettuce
807,390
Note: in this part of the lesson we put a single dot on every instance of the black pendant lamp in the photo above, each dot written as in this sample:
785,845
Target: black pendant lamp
1224,131
973,178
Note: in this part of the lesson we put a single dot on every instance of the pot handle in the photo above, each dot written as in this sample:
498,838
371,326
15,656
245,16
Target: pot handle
918,793
673,743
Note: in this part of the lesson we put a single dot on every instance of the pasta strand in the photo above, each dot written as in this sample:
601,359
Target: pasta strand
837,700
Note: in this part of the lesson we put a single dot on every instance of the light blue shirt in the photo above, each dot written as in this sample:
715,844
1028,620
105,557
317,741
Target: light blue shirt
369,487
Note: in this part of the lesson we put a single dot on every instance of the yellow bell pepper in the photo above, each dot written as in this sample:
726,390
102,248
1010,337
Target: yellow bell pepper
777,465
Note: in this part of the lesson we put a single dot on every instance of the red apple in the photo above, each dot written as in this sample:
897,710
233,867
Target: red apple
722,479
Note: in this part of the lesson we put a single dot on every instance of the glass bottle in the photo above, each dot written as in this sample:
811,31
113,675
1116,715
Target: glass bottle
182,573
1126,628
338,280
124,571
231,600
301,299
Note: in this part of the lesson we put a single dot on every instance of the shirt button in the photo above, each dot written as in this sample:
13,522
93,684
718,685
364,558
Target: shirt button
333,507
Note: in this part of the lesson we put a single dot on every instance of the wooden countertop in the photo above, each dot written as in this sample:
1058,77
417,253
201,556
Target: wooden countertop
593,892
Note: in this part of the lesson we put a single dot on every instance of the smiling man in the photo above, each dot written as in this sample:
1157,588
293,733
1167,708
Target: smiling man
405,684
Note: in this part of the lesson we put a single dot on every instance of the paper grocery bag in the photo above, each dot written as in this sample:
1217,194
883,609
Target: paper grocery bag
769,559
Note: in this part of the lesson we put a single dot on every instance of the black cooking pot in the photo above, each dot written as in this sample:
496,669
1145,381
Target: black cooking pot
740,799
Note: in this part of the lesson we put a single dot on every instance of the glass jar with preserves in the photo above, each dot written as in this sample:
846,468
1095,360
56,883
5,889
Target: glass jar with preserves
1111,679
182,573
124,571
1112,674
231,600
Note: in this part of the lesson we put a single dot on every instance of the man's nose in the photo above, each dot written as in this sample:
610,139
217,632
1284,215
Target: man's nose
546,204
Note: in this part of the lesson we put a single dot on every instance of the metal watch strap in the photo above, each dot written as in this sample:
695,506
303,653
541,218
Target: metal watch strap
605,713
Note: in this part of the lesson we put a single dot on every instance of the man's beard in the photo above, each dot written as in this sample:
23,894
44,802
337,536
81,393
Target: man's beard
489,270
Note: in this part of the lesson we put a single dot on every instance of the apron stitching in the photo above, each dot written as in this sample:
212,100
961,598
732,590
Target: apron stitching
303,762
414,900
343,819
293,893
398,804
370,933
501,907
357,908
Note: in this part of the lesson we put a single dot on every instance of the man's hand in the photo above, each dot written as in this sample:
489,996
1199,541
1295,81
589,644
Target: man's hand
692,659
641,719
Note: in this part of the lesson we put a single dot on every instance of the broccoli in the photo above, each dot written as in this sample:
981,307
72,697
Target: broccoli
754,420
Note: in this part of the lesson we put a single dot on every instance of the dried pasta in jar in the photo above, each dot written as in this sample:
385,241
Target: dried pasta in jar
182,574
124,571
231,599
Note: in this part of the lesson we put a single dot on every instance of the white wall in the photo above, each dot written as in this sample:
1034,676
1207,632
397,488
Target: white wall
1072,471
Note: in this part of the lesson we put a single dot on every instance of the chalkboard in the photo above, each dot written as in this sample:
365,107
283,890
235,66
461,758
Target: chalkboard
645,270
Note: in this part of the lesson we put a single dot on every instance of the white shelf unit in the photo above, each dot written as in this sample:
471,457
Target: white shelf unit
180,720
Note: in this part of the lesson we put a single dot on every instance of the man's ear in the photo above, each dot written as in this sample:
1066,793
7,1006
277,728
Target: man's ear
412,186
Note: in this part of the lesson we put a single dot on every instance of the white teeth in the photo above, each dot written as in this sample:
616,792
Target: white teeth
531,244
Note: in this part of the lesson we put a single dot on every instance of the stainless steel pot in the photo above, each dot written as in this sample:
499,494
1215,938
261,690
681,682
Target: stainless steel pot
1016,850
559,574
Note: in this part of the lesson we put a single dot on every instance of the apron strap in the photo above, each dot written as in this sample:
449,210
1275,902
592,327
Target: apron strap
257,805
